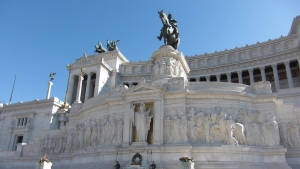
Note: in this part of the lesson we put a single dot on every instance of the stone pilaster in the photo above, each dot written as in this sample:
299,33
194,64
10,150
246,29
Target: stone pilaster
156,123
113,78
70,89
127,130
97,82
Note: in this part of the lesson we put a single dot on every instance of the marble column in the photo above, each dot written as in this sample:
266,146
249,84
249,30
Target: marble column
276,78
156,122
130,84
207,78
218,77
49,90
289,73
263,73
228,77
80,79
71,88
240,76
197,79
97,82
251,76
88,86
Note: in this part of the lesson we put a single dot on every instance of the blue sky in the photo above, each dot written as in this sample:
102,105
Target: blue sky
38,37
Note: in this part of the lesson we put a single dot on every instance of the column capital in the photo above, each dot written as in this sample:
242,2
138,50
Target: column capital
207,76
274,65
262,67
218,75
80,77
228,73
286,62
239,71
250,70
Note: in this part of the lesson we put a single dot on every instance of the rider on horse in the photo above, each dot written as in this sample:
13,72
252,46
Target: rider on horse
171,23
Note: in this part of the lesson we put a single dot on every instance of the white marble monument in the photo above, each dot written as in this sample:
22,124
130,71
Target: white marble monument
215,108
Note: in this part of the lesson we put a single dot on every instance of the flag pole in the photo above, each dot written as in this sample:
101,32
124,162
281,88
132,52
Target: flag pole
12,91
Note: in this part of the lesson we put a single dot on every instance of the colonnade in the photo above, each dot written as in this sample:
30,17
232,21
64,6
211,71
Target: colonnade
81,86
251,75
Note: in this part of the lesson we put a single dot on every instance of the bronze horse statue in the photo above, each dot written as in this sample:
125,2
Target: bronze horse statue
169,31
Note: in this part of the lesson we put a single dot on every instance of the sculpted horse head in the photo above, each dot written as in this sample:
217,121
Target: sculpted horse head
164,18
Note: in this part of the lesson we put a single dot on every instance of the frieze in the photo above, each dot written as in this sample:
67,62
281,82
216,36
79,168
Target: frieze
223,126
105,131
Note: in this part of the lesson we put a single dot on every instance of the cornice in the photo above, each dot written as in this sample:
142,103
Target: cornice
242,49
295,25
35,104
109,55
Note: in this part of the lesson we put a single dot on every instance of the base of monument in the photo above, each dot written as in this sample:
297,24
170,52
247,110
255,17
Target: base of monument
134,167
139,144
43,165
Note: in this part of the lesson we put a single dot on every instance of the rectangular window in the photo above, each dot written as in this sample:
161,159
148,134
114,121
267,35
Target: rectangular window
18,139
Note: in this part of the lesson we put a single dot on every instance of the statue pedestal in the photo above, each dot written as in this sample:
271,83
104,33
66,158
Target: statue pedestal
43,165
186,165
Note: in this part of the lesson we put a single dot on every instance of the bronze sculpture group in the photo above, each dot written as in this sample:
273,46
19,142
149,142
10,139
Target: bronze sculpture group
169,32
111,45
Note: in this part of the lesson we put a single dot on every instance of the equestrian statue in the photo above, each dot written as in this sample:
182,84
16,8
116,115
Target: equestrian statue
169,31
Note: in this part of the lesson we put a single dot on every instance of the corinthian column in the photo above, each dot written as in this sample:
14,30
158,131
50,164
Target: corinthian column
276,79
251,76
80,79
263,73
240,76
218,77
207,78
88,85
228,77
289,74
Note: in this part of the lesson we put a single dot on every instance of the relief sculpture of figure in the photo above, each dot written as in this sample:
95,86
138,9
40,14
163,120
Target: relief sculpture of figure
141,124
230,128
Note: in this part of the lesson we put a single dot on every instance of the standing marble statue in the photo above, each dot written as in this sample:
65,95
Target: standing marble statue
142,122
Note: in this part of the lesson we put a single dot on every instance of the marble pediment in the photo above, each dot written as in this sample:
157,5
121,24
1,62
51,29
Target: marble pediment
84,62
